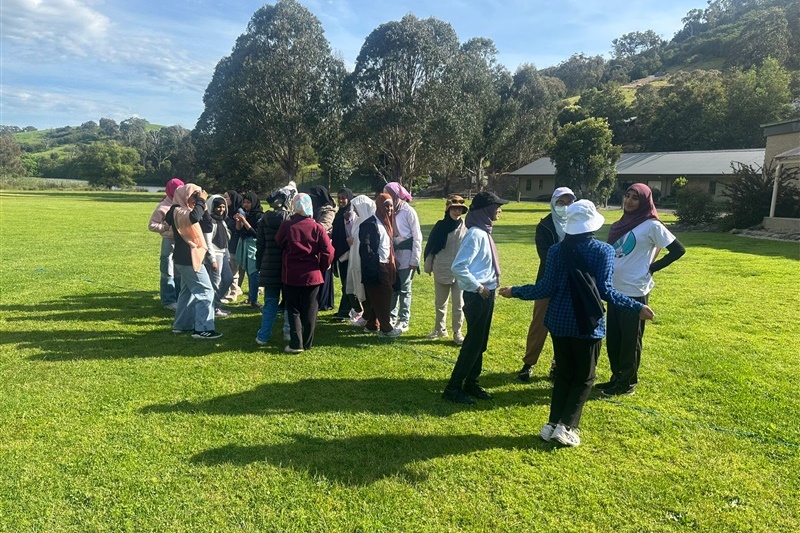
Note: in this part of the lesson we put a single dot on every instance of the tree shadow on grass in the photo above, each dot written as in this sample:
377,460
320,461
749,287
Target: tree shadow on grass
363,460
97,196
740,244
55,337
381,396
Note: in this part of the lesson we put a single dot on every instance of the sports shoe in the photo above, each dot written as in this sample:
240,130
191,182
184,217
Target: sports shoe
402,326
524,374
221,312
458,339
457,396
547,432
396,332
566,436
206,335
253,305
618,390
436,335
476,391
359,322
367,330
262,343
289,349
171,307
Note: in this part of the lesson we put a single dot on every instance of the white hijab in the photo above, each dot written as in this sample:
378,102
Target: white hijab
363,207
559,221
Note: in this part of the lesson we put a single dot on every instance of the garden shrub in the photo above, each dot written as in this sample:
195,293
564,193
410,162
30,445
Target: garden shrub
695,206
750,195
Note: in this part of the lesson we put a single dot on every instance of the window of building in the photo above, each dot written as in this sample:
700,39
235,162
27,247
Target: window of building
712,188
528,184
541,184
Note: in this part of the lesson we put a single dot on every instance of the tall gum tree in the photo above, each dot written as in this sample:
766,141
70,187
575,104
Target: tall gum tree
394,90
267,99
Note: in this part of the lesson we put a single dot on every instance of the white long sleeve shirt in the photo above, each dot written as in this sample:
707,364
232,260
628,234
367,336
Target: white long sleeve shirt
407,226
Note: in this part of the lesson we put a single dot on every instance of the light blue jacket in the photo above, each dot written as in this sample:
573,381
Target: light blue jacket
473,266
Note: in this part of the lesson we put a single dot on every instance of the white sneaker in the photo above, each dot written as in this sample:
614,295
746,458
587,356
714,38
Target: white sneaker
458,339
396,332
565,436
360,323
402,326
221,312
260,342
289,349
436,335
547,432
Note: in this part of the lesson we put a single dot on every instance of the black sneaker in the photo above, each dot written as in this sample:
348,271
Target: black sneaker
206,335
524,374
457,396
477,391
605,386
619,391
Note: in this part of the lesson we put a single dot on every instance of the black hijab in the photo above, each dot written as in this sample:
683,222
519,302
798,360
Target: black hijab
236,203
339,233
254,215
437,240
320,197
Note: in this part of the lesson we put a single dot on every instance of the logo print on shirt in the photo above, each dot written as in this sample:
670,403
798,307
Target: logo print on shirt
625,245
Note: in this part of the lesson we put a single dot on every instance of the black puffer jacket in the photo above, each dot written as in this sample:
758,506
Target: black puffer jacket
269,256
546,237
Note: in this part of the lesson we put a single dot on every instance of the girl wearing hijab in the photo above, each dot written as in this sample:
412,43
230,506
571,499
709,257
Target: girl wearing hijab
363,208
342,237
216,234
578,264
440,251
407,242
246,225
196,300
324,214
549,232
234,201
378,271
269,256
477,270
307,253
637,238
170,283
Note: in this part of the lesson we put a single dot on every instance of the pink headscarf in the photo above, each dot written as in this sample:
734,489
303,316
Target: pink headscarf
398,193
172,184
191,233
646,211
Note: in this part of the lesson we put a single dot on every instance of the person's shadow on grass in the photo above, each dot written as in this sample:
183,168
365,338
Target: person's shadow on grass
380,395
365,459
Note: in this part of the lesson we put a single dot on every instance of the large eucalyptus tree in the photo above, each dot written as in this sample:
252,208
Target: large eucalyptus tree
267,100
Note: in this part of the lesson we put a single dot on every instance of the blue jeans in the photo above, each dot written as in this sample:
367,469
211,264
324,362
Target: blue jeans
252,287
268,313
170,282
402,312
196,300
222,277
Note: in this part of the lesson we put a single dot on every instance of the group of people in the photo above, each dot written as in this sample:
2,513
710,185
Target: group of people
374,246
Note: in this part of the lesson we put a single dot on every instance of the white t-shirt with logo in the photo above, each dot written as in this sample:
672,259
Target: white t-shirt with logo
635,251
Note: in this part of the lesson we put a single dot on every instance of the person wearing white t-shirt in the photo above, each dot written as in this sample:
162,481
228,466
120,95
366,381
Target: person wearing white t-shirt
637,238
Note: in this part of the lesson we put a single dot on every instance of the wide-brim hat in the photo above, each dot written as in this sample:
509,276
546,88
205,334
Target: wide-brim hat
455,200
582,217
485,199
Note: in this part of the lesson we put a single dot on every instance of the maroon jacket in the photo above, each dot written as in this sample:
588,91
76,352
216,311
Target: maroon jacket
307,251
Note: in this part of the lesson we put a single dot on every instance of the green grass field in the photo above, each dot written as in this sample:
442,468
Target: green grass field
109,422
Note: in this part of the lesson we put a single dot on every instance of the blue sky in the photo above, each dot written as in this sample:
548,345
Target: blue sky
64,62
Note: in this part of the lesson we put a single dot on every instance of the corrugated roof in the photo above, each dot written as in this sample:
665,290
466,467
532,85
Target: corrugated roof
788,154
698,163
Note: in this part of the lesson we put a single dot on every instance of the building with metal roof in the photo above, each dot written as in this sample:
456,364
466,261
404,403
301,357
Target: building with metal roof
708,169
